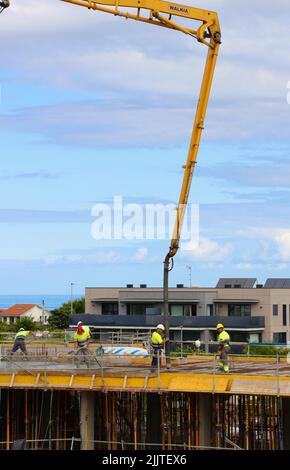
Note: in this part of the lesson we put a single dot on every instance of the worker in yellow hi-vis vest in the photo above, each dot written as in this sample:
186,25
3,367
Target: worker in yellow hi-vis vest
19,341
223,347
82,335
157,343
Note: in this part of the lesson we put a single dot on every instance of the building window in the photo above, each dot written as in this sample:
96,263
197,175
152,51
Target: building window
275,310
284,315
142,309
209,310
238,337
110,309
189,310
182,310
239,310
176,310
280,338
254,338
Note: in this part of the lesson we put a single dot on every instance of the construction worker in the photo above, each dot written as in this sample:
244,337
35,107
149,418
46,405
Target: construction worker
196,346
157,343
82,335
19,341
223,347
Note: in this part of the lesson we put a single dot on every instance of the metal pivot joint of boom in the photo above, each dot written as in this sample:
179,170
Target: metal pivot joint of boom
4,4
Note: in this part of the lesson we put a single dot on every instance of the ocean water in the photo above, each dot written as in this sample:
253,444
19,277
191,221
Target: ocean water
50,301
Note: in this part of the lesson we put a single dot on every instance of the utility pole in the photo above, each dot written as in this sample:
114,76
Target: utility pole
71,297
42,317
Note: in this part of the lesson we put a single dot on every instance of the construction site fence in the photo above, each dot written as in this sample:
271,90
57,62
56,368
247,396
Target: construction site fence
180,349
110,338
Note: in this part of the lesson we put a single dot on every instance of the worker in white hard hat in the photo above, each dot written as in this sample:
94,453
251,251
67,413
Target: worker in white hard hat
19,341
223,347
157,343
196,346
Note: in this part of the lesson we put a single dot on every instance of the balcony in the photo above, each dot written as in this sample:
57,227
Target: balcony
140,321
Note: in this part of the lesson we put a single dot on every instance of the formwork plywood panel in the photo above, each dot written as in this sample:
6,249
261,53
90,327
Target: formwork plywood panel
198,384
260,387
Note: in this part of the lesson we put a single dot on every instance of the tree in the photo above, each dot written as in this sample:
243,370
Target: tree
59,318
26,323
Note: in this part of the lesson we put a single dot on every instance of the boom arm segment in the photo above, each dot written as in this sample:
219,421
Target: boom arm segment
155,9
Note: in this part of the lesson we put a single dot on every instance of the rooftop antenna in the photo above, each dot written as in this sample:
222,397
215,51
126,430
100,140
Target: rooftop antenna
189,269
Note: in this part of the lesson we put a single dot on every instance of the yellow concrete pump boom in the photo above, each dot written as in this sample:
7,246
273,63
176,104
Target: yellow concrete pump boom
206,31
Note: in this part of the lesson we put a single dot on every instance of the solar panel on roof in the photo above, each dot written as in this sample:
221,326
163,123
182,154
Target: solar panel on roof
277,283
244,283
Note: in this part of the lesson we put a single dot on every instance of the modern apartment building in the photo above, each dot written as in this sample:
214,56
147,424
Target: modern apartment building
250,311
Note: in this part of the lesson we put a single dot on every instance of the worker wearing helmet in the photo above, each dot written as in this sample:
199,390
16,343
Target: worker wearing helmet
196,346
19,341
157,343
82,335
223,347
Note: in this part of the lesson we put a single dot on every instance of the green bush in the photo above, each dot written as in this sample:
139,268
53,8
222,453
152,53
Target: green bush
186,351
25,323
4,327
266,351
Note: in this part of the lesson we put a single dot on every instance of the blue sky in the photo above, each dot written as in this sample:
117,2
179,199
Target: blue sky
93,106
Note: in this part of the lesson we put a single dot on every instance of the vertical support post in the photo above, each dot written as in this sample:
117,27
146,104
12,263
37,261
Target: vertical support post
87,418
8,421
26,413
286,423
153,434
205,337
181,341
277,375
205,419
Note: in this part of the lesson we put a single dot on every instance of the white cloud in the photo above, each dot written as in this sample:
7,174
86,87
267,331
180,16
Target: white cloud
141,254
71,48
258,266
274,246
206,250
283,245
39,16
100,257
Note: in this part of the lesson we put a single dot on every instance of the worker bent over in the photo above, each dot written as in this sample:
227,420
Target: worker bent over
223,347
82,335
157,343
19,341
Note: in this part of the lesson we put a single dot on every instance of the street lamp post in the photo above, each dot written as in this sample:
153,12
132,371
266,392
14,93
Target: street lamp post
71,297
